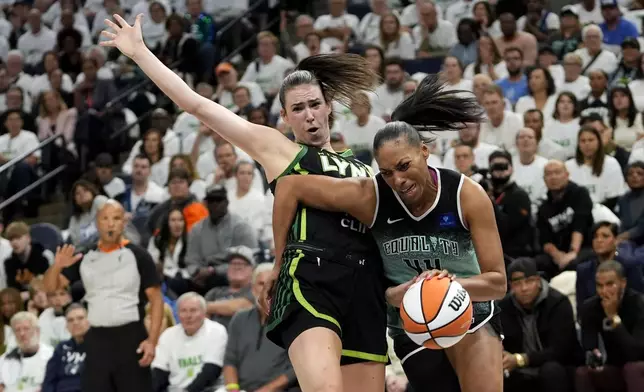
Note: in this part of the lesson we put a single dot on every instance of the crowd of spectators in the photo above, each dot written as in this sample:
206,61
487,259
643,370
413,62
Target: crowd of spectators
561,154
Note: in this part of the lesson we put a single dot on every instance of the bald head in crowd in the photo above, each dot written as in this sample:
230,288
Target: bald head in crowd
110,222
555,175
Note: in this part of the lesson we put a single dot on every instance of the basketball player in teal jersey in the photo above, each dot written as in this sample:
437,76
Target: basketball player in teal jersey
335,334
424,219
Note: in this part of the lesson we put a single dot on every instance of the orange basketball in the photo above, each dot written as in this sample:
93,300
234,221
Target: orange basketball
436,313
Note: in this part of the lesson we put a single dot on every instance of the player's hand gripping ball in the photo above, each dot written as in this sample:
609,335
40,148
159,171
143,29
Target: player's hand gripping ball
436,313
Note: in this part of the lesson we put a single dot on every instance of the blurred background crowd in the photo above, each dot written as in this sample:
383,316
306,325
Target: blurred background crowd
561,154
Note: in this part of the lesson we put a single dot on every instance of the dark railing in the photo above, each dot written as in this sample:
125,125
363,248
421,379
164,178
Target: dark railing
39,181
229,25
249,41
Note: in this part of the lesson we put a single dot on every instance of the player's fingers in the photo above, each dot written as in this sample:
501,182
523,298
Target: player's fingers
108,43
120,20
108,34
112,25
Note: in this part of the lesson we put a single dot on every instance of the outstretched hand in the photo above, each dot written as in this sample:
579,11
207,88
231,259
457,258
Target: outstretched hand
65,256
128,39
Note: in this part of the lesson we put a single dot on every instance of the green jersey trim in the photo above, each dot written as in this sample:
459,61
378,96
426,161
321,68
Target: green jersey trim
294,162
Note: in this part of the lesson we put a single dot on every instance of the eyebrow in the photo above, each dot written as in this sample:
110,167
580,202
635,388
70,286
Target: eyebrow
310,101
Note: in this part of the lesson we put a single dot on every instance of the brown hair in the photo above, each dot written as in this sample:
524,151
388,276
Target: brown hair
188,163
16,230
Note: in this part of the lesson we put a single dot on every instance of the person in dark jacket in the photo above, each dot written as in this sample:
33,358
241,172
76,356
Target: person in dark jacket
64,369
28,259
630,207
539,327
605,248
616,314
513,207
564,221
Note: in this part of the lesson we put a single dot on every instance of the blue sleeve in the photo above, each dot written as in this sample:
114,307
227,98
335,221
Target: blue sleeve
51,373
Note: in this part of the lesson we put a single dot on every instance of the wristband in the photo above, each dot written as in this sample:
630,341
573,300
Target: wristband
520,360
232,387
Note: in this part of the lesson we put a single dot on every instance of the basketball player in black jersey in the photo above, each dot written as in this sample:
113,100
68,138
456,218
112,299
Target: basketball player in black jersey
318,316
422,219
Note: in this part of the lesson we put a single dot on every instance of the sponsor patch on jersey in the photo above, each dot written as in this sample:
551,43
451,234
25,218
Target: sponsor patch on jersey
447,220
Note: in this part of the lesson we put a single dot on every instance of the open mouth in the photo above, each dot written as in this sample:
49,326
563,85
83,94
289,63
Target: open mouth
312,130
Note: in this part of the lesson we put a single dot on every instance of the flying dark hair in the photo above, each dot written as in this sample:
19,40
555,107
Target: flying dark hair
430,108
598,159
340,77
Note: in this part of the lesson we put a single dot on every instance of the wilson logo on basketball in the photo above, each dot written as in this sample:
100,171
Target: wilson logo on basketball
458,300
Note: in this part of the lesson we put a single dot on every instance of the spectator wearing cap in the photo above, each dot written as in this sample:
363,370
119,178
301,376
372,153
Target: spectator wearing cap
540,346
252,362
225,301
574,81
66,365
104,176
269,68
564,221
211,237
23,368
28,260
227,158
629,66
568,38
190,355
513,207
227,82
180,196
593,54
615,314
615,28
119,278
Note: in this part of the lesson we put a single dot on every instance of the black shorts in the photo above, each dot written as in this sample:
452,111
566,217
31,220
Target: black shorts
425,367
346,296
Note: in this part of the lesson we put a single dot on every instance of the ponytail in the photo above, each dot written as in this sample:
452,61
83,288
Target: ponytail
341,77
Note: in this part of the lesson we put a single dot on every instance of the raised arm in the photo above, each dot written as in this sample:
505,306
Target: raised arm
266,145
478,214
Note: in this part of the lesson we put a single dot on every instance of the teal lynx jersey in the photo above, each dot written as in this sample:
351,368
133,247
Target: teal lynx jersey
329,230
438,239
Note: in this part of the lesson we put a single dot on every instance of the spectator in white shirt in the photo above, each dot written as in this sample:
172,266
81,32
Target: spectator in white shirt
197,186
548,60
574,81
393,40
529,166
369,28
190,355
227,81
458,10
53,325
36,41
12,144
469,136
23,368
563,126
453,70
541,93
41,82
338,26
623,156
488,61
169,141
360,129
502,125
464,162
410,14
480,84
637,86
624,118
69,21
376,59
390,94
245,201
592,54
224,174
269,68
16,76
433,36
596,171
483,14
304,27
152,147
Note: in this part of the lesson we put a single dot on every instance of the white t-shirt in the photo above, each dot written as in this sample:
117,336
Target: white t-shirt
580,87
564,134
505,134
384,101
170,147
33,46
249,207
302,52
527,102
329,22
53,329
114,187
409,15
257,97
206,163
23,142
27,374
500,70
551,150
606,61
269,75
624,135
481,156
404,47
459,10
443,37
608,185
530,178
183,356
361,137
637,89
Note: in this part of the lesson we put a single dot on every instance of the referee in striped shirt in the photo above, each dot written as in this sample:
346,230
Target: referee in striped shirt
119,278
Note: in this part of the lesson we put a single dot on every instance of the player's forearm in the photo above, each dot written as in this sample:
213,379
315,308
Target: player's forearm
228,307
230,375
576,241
284,210
485,287
51,280
169,82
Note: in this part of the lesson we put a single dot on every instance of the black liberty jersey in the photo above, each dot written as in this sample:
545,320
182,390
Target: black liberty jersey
329,230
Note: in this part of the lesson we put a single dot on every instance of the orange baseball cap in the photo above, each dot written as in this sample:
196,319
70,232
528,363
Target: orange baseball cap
223,67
